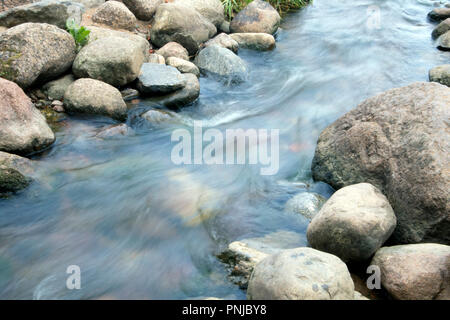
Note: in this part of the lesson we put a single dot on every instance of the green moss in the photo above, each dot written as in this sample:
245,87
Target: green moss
234,6
7,57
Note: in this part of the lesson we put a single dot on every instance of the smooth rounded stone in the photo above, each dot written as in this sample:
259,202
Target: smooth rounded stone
156,58
157,116
143,9
21,164
444,42
55,89
173,49
115,131
23,128
353,224
224,27
440,74
212,10
89,4
223,63
301,274
306,203
115,14
12,180
243,255
439,14
33,53
408,163
129,94
50,11
95,97
183,66
415,271
181,24
254,41
99,33
225,41
159,79
184,96
113,60
442,28
258,16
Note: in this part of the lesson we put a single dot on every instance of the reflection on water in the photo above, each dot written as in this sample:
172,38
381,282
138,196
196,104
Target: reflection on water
140,227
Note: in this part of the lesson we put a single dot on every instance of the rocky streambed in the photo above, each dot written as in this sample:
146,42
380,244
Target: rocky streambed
363,172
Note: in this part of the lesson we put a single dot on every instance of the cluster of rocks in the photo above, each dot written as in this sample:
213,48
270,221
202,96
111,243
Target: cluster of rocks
39,58
441,34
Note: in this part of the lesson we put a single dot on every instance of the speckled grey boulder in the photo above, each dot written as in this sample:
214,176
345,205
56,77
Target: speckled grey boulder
441,74
353,224
55,89
222,63
258,16
95,97
173,49
113,60
301,274
159,79
115,14
33,53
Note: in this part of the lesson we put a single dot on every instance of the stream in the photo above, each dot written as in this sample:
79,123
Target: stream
141,227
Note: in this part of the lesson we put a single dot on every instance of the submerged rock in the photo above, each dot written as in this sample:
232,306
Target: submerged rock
307,204
441,74
113,60
23,128
258,16
49,11
415,271
301,274
95,97
183,66
143,9
32,53
221,62
254,41
353,224
115,131
158,79
225,41
115,14
55,89
173,49
181,24
242,256
397,141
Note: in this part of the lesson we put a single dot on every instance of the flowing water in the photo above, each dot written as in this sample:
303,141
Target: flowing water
140,227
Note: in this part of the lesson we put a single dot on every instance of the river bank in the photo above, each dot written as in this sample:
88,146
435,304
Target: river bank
117,206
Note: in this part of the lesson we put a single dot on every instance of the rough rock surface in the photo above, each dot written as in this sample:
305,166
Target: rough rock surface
113,60
183,97
301,274
225,41
156,58
258,16
442,28
254,41
397,141
33,53
159,79
95,97
183,66
88,4
50,11
23,128
143,9
441,74
178,23
353,224
55,89
221,62
212,10
306,203
415,271
13,172
444,42
173,49
115,14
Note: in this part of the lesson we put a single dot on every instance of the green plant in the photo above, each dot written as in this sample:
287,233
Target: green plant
283,6
79,33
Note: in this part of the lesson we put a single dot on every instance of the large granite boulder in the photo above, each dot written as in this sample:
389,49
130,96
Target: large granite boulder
143,9
182,24
415,271
301,274
113,60
115,14
353,224
49,11
258,16
399,142
33,53
23,128
221,63
95,97
211,9
157,79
